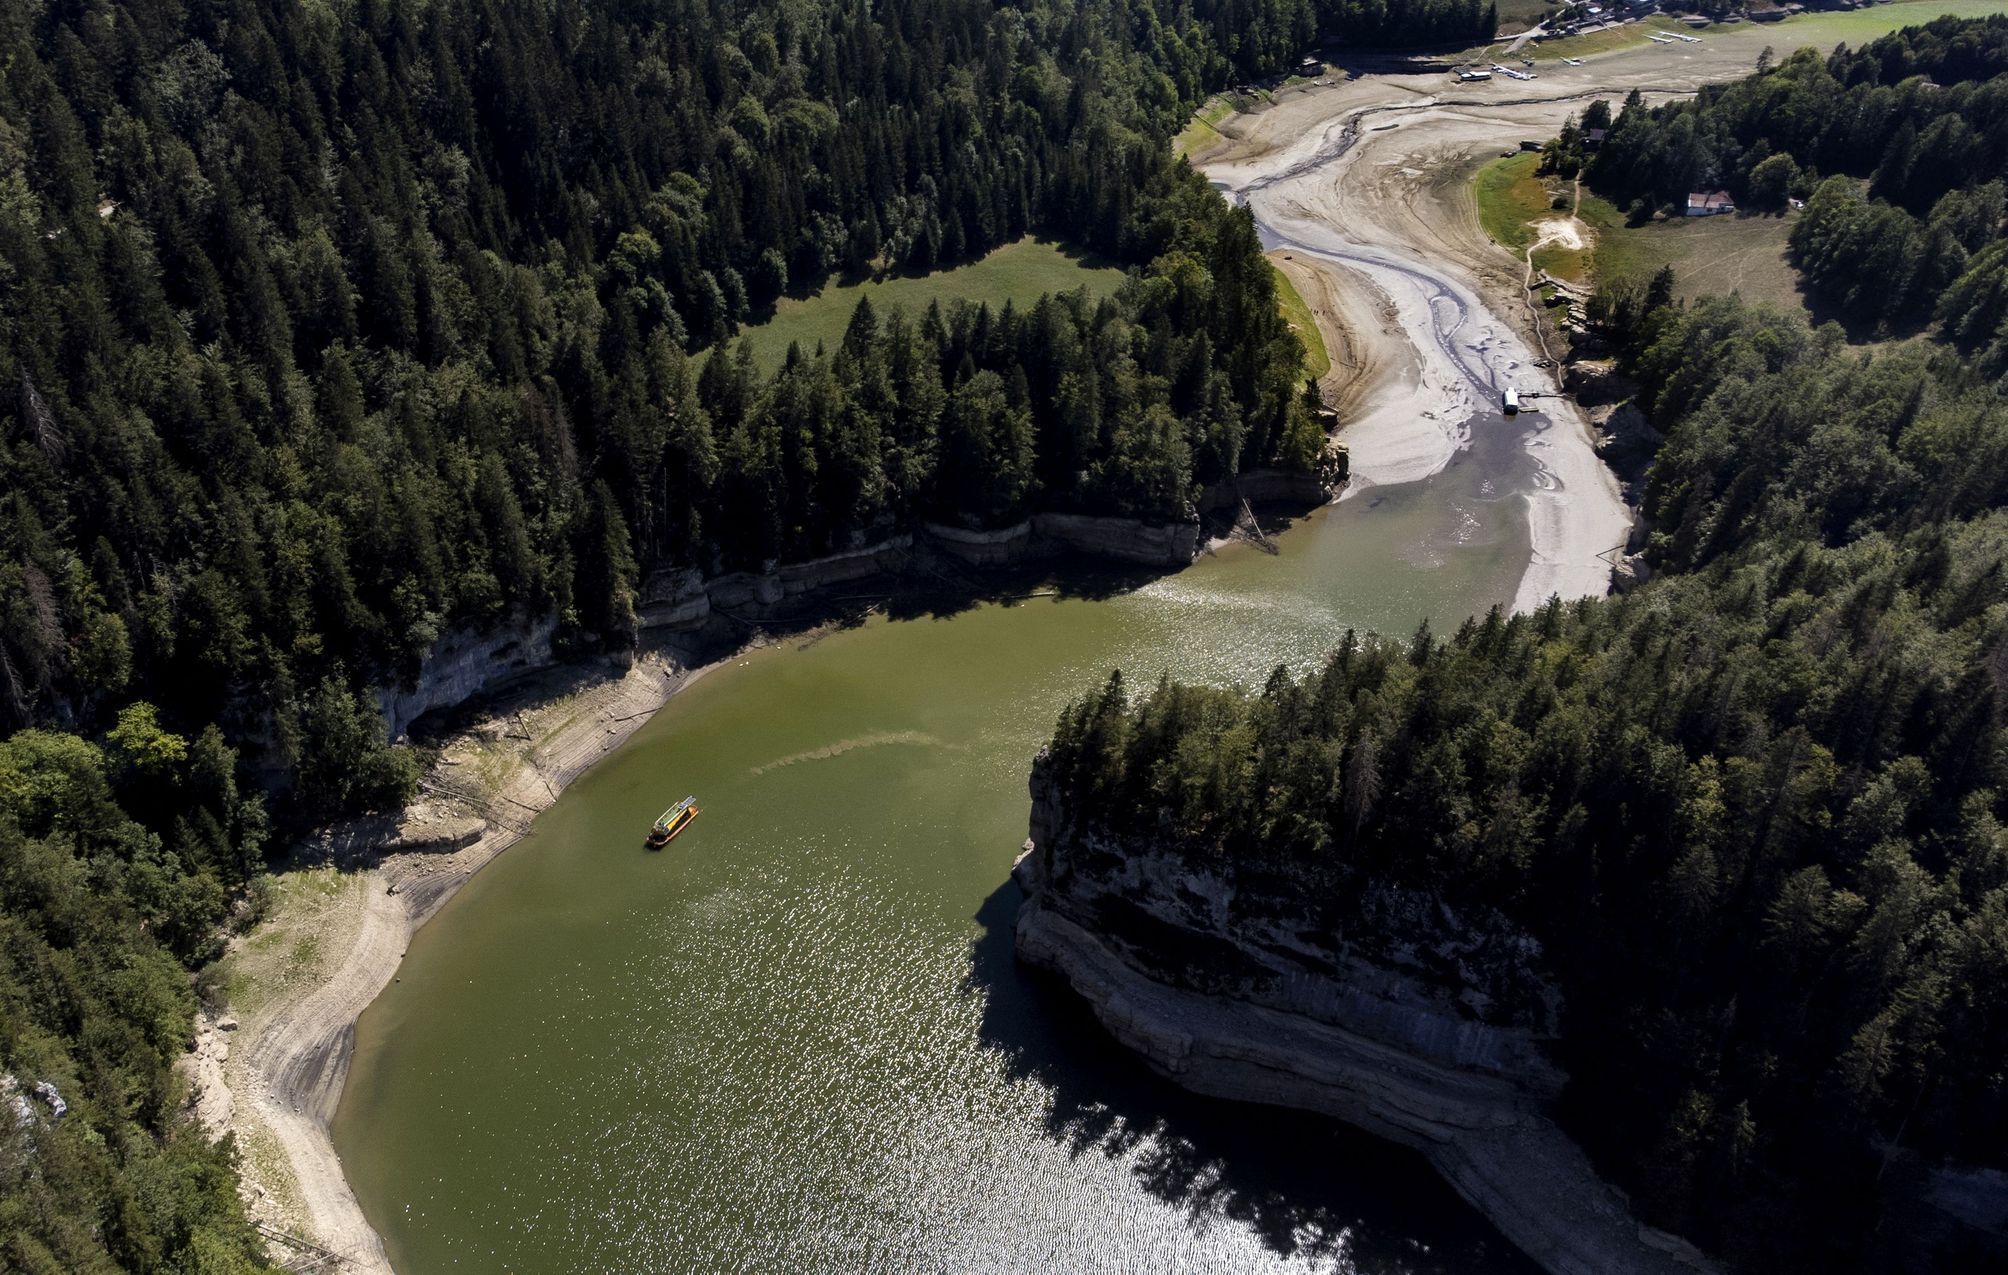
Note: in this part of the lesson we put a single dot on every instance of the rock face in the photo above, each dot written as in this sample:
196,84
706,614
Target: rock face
1267,486
1056,535
997,548
684,600
685,603
1177,967
463,663
1123,539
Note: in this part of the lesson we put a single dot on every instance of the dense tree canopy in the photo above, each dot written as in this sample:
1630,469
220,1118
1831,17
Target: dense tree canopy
325,328
1752,810
100,912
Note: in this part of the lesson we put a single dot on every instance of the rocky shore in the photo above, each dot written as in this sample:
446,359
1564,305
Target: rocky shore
1175,967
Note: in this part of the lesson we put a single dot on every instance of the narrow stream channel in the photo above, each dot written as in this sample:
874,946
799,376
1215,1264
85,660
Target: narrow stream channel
798,1039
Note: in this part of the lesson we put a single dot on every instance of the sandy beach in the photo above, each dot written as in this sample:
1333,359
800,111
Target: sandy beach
271,1069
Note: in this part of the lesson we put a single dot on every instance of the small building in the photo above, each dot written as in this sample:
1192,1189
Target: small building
1593,138
1707,203
1510,402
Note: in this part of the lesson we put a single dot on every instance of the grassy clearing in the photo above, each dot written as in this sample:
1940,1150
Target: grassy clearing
290,946
1818,30
1510,199
1606,41
1521,14
1200,133
1513,201
1317,360
1710,256
1020,273
1824,30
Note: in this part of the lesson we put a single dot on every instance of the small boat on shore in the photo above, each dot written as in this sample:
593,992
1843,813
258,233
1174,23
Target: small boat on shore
673,821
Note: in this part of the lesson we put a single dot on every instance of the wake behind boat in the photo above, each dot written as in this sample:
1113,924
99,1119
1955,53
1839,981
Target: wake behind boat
673,821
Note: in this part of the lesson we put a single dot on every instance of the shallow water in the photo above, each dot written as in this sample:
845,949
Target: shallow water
797,1040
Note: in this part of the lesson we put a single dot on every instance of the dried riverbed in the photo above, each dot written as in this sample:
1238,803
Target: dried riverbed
800,1036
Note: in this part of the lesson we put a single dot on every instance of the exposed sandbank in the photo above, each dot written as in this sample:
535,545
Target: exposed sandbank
1368,179
1389,208
278,1088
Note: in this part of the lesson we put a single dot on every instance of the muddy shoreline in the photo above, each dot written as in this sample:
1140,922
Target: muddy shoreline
1385,214
271,1072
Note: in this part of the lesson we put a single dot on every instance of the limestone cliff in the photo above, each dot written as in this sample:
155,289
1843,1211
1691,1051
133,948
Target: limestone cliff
1129,540
1427,1031
687,608
1054,535
1275,486
683,600
465,662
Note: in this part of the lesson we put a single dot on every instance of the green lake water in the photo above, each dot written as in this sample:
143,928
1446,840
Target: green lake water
797,1039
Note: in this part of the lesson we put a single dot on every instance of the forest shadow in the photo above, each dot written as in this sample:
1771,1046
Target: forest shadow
944,587
1310,1188
1820,311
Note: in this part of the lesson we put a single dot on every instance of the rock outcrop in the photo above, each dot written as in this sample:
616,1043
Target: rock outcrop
1170,545
1121,539
465,662
1241,1000
685,600
684,603
1268,487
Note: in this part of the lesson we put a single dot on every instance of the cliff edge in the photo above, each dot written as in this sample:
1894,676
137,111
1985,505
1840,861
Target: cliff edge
1176,969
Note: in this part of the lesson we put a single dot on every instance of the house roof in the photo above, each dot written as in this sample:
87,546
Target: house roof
1710,200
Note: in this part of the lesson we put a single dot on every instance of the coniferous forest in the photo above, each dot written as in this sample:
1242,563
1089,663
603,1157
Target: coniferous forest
327,327
1898,150
1752,810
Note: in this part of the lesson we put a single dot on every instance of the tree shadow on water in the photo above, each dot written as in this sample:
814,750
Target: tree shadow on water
1310,1188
